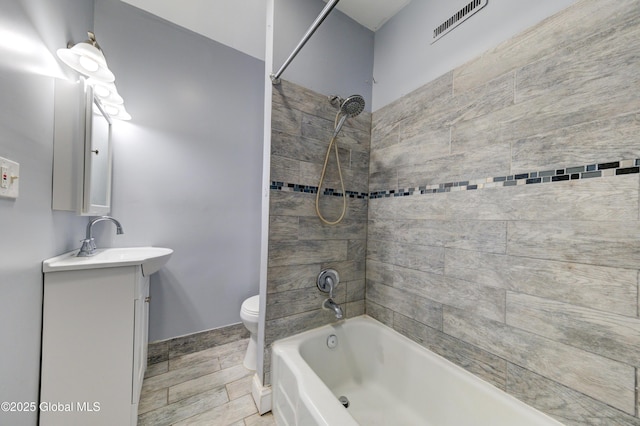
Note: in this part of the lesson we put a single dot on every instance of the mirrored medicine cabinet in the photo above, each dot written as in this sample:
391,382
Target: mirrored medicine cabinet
82,153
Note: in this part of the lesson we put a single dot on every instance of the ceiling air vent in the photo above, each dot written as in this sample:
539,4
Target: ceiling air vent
458,18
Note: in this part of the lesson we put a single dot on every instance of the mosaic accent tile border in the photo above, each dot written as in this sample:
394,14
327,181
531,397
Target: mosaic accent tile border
292,187
545,176
596,170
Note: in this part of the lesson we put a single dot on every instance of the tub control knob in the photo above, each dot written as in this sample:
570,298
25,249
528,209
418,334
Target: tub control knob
327,281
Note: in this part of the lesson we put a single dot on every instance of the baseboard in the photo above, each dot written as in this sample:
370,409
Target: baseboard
163,350
261,395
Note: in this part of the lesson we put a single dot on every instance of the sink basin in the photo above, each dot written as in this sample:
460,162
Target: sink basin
150,258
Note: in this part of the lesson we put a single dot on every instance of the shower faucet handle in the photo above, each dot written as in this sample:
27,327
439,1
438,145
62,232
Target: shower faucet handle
327,280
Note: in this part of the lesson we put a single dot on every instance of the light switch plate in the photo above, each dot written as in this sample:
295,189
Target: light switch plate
9,178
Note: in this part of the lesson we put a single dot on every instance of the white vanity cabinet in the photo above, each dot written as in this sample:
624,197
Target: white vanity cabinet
94,345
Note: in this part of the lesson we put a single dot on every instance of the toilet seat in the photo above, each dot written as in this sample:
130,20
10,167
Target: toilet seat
251,306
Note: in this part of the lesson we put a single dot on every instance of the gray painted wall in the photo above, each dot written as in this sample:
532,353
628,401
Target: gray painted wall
338,59
29,230
405,59
188,167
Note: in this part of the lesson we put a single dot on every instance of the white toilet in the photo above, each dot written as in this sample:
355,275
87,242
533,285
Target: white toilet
249,313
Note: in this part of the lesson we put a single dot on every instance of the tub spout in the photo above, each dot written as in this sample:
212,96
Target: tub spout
331,305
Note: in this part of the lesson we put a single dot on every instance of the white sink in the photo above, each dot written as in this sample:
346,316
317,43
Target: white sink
150,258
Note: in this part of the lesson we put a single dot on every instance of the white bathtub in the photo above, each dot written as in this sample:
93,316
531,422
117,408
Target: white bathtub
388,380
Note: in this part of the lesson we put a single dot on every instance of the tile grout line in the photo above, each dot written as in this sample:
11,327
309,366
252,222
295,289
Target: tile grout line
235,354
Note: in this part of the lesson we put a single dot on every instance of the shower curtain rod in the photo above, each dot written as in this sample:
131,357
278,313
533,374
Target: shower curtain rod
275,78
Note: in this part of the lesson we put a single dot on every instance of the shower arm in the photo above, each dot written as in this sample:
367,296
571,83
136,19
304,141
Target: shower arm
275,78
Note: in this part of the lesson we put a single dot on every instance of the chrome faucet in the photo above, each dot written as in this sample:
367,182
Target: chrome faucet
330,304
89,244
328,279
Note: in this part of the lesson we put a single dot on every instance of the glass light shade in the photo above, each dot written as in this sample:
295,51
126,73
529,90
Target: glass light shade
111,109
88,60
116,111
88,64
106,92
101,91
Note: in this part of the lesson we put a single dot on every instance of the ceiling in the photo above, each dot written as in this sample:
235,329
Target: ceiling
371,13
242,24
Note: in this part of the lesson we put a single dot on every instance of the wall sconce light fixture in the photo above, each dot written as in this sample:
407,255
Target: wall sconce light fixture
88,59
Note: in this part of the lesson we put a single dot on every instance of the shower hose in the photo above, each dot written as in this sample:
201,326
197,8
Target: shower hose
333,143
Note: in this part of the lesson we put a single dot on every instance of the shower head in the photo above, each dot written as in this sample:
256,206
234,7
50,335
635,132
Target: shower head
349,108
352,106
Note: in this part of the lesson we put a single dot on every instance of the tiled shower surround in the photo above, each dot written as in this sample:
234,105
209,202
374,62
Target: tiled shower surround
503,214
503,221
300,246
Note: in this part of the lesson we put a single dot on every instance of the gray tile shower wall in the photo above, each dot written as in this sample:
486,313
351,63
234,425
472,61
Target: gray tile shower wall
531,285
300,245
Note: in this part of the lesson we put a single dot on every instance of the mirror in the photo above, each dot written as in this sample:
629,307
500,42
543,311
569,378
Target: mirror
82,157
97,176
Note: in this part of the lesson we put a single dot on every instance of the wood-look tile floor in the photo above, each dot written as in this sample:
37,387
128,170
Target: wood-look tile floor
210,387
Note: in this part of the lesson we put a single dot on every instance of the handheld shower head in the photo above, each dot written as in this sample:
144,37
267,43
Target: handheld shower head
350,107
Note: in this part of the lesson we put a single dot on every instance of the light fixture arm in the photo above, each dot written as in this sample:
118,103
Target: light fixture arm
92,40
